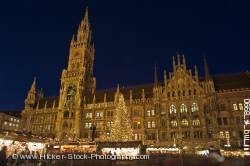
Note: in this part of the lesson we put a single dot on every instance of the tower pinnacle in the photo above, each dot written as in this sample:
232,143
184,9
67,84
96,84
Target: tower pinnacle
155,76
207,74
31,97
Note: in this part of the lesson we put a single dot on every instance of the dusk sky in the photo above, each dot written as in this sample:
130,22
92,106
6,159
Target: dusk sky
129,36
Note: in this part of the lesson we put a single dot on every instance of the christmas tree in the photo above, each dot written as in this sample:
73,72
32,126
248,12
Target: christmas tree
121,129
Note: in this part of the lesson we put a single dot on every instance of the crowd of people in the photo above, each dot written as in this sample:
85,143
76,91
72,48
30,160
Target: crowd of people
214,158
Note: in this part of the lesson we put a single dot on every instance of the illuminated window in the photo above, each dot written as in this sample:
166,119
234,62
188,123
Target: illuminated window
196,122
227,134
136,137
99,114
235,107
5,123
149,124
241,107
183,108
172,109
89,115
137,125
221,135
88,124
150,112
184,122
153,124
194,107
10,124
153,112
173,123
11,119
110,123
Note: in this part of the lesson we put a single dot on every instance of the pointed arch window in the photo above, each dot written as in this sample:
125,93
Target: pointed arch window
66,114
196,122
184,122
173,123
172,109
194,107
183,108
65,125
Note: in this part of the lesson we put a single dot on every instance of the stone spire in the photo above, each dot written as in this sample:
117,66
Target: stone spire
86,16
178,59
184,62
155,76
196,72
174,66
31,97
207,74
165,77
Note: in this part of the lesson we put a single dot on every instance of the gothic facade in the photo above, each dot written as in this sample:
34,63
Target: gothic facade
184,108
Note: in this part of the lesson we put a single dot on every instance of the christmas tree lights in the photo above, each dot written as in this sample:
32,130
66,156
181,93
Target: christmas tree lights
121,129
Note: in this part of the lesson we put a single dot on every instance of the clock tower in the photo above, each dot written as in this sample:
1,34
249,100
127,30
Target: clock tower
77,81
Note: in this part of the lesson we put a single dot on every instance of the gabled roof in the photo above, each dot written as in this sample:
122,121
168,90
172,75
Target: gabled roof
221,82
232,81
11,113
49,102
110,93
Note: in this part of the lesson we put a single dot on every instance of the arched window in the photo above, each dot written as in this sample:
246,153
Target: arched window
184,122
65,125
194,107
173,123
183,108
196,122
66,114
189,92
172,109
173,94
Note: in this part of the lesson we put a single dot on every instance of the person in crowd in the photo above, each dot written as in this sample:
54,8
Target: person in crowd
3,156
215,157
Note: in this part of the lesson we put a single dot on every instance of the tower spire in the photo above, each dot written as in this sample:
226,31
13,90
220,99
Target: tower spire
196,72
33,86
184,61
118,89
207,74
86,16
165,77
73,39
31,97
174,63
178,59
155,76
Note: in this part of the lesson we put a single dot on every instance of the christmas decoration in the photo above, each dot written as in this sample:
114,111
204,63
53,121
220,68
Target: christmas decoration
121,129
